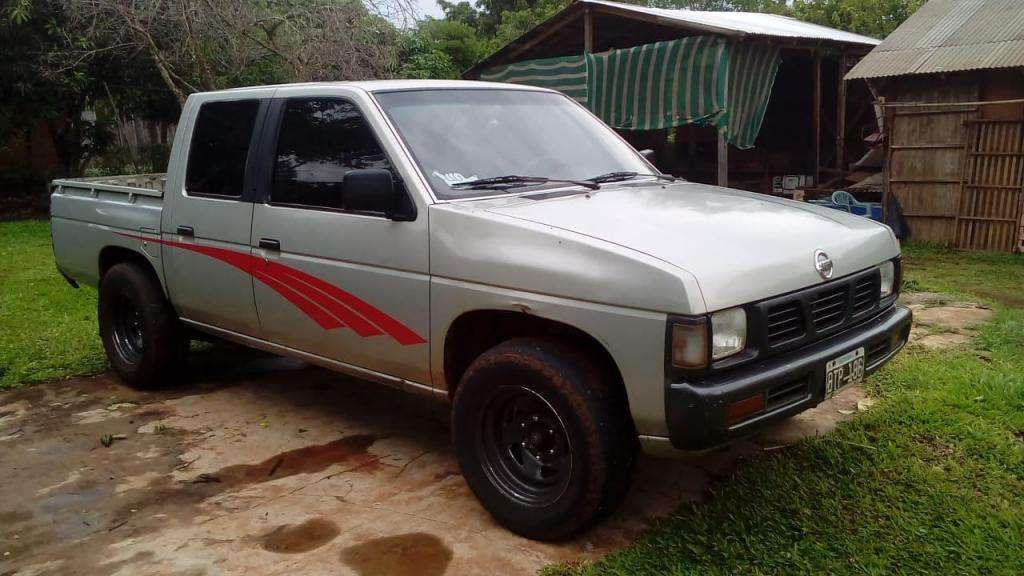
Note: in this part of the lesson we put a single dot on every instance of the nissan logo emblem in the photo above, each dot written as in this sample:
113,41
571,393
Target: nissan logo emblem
823,264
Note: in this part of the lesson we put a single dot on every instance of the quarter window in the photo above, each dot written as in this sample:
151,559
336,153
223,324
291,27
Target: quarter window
319,141
220,148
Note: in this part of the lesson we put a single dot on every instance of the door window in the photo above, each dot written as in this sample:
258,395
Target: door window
220,148
319,141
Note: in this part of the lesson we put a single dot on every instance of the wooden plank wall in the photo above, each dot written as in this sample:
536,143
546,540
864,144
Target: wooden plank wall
925,168
989,214
1020,242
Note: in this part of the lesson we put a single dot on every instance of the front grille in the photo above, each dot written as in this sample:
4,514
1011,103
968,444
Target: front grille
828,309
785,323
814,313
865,294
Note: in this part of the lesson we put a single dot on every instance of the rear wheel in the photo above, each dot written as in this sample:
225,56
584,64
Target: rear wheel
144,340
543,439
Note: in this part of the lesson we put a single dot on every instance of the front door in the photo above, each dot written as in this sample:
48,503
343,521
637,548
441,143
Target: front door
338,282
207,223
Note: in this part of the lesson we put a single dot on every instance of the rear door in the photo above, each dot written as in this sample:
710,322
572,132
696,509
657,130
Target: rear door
207,224
341,283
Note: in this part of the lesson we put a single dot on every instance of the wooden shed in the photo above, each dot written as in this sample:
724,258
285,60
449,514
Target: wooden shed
951,83
793,115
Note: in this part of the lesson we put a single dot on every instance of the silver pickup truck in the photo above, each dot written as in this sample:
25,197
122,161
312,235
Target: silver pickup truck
497,247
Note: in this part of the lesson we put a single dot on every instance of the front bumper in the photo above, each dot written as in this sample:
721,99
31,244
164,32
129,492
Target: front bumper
791,382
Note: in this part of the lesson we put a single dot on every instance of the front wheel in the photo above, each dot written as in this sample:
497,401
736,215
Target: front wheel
543,439
144,340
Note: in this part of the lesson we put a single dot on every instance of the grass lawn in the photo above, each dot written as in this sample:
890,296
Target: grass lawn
930,481
47,329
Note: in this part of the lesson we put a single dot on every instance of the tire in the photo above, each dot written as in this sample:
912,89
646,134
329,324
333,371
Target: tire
145,343
543,437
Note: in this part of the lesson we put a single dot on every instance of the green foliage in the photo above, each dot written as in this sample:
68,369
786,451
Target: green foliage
39,90
117,160
870,17
422,58
460,12
768,6
18,11
458,39
516,22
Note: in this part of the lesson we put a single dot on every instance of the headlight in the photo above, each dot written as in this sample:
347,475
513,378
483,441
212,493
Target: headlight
690,344
888,273
728,332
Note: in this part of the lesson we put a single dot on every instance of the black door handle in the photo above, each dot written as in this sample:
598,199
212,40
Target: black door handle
269,244
186,231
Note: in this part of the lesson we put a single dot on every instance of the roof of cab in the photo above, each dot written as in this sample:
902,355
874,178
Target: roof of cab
389,85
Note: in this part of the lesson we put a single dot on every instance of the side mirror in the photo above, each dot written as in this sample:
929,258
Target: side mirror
648,155
373,190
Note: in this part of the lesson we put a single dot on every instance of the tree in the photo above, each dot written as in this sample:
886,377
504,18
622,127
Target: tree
514,23
422,58
33,98
460,12
459,40
869,17
767,6
209,44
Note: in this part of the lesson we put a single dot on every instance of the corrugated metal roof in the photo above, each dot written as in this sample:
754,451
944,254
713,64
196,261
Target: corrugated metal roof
731,24
949,36
743,23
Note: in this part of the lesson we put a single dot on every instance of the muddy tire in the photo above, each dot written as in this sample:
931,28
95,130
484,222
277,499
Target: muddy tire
543,437
145,343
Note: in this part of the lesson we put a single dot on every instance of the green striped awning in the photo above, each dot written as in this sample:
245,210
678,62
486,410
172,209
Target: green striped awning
659,85
567,75
699,79
752,71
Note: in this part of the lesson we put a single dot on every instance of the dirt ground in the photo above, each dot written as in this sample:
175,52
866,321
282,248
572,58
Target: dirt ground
263,465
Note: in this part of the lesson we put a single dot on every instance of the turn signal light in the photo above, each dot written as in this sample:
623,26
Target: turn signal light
743,409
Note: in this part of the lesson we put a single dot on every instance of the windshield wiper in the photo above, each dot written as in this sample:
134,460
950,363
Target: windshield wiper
513,181
621,176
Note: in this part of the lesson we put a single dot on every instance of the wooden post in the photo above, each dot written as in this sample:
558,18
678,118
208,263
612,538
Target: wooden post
588,31
816,116
841,119
887,119
723,159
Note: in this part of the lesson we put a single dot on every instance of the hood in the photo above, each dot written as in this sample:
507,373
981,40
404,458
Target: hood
740,246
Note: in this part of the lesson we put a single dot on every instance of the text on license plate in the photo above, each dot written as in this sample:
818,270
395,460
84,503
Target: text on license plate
842,371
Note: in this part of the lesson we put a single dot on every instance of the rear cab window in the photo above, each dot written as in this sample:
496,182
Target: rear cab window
219,148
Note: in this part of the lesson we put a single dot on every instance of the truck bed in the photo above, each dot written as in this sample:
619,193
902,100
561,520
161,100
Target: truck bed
89,215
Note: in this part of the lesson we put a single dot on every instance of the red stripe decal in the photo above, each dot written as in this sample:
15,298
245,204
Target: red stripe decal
309,308
327,305
357,323
392,327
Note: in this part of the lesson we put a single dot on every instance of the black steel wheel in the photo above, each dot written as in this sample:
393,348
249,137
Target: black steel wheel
145,343
524,446
543,436
128,330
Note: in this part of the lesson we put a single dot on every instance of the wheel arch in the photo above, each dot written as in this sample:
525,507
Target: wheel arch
474,332
113,255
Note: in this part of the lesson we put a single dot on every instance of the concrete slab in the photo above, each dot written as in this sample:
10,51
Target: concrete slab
267,466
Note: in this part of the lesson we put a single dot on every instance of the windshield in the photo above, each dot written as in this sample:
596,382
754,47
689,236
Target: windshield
463,135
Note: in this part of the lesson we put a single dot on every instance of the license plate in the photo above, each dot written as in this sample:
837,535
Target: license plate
843,371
